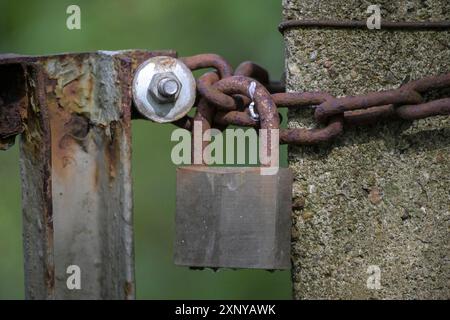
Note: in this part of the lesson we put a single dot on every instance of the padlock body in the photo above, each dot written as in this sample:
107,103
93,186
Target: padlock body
233,217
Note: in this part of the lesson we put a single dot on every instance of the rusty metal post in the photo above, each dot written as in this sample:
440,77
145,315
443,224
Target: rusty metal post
74,115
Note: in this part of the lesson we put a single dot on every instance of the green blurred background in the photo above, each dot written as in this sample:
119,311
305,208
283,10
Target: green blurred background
236,29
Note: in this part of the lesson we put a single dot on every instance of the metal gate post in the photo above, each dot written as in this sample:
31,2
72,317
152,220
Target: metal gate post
74,115
371,208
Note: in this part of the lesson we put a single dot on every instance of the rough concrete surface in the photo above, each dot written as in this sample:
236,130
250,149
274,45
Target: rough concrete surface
378,195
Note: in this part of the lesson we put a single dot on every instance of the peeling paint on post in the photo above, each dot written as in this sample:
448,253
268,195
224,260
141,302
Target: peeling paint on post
377,198
91,178
75,167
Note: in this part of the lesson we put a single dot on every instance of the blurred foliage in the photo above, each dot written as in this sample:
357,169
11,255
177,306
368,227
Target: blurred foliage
238,30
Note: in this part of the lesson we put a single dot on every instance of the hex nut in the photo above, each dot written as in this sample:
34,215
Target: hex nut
155,88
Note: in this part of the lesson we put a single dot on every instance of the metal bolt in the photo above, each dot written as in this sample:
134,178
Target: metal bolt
163,89
168,87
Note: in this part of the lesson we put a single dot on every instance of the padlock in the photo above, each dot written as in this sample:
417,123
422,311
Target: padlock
233,217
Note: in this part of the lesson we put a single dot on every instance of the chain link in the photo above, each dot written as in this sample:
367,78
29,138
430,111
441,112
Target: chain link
227,98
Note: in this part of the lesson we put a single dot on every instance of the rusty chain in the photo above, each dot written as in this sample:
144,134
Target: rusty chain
354,24
224,99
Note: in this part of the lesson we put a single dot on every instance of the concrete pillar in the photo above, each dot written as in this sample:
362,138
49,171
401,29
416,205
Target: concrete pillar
73,112
376,200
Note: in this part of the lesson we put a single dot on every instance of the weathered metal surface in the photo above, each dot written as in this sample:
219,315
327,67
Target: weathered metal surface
352,24
75,168
91,178
37,204
209,60
13,102
409,93
224,100
233,218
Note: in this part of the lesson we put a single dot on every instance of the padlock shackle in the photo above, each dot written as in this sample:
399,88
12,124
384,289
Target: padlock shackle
266,107
264,103
205,111
217,92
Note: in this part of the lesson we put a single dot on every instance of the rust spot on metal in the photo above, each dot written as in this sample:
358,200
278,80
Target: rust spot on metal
70,96
7,143
209,60
128,290
76,130
312,136
355,24
136,57
252,70
264,103
125,76
36,147
223,100
60,105
74,86
112,151
77,127
50,279
13,103
96,177
66,130
408,94
10,119
206,88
